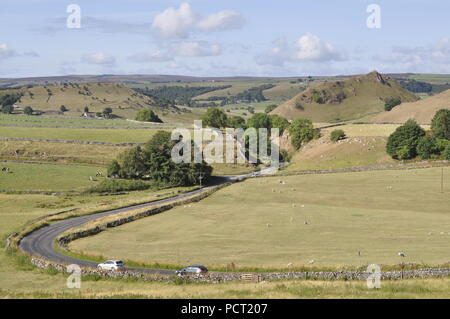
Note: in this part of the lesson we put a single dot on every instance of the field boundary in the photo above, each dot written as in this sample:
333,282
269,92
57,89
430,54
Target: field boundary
385,167
12,139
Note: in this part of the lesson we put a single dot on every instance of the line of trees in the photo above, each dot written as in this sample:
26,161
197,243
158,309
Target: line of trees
180,95
300,130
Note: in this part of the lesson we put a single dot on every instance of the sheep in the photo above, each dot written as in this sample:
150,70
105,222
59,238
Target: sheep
312,261
401,254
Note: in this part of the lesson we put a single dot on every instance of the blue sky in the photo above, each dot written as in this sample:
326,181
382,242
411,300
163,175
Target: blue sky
223,38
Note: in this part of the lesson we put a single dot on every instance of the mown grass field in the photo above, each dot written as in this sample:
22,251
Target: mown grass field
261,222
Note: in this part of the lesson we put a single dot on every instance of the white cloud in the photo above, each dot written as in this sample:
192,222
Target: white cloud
197,49
222,20
179,23
308,48
6,52
99,58
311,48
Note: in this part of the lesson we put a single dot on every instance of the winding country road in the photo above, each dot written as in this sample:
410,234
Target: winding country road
40,243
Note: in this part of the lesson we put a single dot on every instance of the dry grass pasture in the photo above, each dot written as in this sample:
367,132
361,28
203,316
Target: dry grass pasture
422,111
327,218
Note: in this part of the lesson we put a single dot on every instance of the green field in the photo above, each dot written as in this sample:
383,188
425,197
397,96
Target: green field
261,223
47,177
72,134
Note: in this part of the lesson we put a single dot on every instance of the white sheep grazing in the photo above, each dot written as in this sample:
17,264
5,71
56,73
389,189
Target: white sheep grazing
312,261
289,265
401,254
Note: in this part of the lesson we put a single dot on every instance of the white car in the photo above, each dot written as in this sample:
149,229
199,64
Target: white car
112,265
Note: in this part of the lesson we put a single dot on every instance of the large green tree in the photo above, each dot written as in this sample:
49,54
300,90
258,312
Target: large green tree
402,144
440,125
215,117
236,122
301,131
279,122
260,120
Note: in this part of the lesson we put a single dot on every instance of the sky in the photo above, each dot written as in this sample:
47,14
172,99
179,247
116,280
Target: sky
223,38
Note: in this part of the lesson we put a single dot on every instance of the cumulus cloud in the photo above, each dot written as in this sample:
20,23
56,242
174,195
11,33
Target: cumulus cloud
6,52
308,48
99,58
179,23
222,20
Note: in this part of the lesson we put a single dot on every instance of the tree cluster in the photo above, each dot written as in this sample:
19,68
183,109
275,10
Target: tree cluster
153,162
410,140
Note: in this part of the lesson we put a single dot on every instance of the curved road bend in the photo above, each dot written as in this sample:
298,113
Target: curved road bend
40,243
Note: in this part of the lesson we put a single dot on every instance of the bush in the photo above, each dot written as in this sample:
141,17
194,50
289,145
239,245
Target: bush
440,125
337,135
391,103
403,142
28,110
446,153
270,108
147,115
426,147
114,169
117,185
7,109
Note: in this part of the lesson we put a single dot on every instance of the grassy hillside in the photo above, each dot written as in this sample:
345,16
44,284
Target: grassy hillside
422,111
349,99
124,101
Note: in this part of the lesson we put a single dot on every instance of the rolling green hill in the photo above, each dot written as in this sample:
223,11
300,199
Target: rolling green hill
349,99
124,101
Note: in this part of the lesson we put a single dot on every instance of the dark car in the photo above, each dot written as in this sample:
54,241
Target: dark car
192,270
